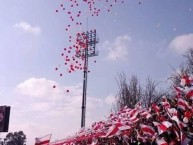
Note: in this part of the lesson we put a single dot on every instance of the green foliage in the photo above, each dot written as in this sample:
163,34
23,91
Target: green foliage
16,138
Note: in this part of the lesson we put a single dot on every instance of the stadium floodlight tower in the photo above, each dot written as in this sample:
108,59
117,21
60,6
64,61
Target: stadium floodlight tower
87,42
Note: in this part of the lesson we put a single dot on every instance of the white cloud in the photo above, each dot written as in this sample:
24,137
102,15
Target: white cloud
110,99
119,48
41,104
39,88
28,28
181,43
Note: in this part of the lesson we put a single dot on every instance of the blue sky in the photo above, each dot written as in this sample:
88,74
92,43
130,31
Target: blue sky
142,39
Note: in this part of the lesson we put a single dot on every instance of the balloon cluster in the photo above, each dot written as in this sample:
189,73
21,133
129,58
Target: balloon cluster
72,9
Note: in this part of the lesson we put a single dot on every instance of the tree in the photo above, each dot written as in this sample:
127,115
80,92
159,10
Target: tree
189,60
132,92
178,74
150,94
16,138
185,69
129,93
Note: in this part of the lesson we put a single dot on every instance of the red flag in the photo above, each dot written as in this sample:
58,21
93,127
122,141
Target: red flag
189,94
116,129
182,104
186,80
147,130
180,123
155,108
134,118
165,103
43,140
145,114
162,127
132,112
178,89
173,112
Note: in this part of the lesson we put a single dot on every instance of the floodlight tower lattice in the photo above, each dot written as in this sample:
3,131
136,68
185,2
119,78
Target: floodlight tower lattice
87,42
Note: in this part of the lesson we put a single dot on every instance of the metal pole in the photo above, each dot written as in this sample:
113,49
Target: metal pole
84,85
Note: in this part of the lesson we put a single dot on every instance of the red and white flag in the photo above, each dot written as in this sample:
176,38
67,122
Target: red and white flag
186,80
162,127
165,103
189,93
179,90
155,108
43,140
173,112
145,114
180,123
134,117
116,129
147,130
182,104
112,131
132,112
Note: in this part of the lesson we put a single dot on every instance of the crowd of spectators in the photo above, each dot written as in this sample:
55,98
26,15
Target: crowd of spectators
168,122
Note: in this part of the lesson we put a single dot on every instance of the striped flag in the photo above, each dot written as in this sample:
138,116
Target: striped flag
147,130
162,127
43,140
189,93
182,104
